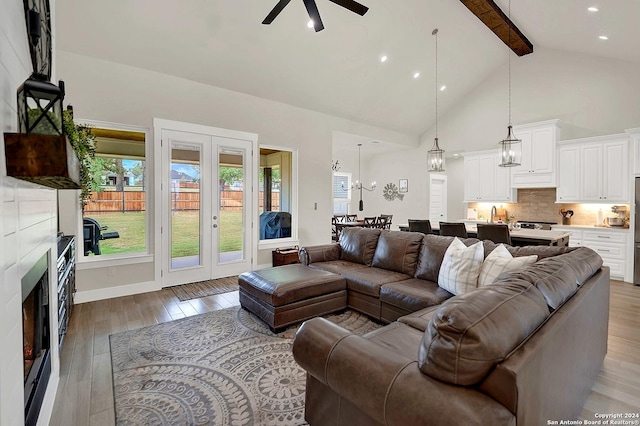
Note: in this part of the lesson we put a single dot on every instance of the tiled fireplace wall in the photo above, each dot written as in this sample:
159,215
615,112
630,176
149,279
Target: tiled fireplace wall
28,227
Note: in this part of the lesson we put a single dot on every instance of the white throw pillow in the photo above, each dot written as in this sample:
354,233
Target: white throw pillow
499,261
460,267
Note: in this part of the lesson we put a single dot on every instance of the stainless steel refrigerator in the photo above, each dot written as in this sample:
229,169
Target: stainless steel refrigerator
636,236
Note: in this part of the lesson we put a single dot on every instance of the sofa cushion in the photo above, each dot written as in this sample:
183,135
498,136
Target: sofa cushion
420,319
359,244
461,266
369,280
413,294
337,266
558,277
517,251
398,251
469,334
499,261
432,253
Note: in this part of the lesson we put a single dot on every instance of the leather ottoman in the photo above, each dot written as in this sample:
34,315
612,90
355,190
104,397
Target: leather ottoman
284,295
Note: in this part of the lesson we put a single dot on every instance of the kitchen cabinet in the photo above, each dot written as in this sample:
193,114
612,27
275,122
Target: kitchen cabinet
484,181
634,135
594,170
538,165
609,243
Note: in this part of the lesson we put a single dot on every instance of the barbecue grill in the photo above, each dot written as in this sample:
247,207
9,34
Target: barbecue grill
93,235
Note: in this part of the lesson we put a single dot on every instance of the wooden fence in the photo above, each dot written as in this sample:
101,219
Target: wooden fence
135,201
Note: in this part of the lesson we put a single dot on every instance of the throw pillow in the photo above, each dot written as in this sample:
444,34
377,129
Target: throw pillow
499,261
460,267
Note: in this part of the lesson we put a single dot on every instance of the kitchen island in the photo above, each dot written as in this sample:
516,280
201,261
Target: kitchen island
521,237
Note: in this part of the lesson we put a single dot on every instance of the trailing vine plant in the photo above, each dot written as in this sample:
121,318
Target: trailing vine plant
84,144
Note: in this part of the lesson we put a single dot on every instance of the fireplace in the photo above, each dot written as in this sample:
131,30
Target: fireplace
36,337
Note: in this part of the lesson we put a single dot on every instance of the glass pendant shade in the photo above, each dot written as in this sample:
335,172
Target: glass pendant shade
435,158
510,150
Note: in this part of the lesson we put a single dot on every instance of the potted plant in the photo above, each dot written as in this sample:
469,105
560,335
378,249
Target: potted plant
83,142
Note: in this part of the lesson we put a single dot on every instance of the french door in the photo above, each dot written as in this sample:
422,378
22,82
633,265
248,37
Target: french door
207,204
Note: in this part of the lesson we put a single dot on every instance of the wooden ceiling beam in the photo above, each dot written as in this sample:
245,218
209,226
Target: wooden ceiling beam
492,16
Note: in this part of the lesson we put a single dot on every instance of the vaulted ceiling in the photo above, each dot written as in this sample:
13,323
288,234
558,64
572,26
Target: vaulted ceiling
338,70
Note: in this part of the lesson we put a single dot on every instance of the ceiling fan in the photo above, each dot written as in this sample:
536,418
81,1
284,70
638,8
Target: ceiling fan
312,10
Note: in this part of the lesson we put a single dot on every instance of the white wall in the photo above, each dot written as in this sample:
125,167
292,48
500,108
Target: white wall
590,95
106,91
27,230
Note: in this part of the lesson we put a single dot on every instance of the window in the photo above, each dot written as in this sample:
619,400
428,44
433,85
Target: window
276,198
115,219
341,192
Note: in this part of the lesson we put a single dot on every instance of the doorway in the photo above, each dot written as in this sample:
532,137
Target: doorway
207,202
437,198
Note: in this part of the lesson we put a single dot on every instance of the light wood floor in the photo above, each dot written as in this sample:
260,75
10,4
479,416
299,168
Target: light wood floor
85,393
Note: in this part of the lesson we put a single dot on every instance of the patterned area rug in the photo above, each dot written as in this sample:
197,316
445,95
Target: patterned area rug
221,368
205,288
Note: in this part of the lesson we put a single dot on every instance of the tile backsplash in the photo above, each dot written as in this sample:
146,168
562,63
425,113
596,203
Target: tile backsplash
538,204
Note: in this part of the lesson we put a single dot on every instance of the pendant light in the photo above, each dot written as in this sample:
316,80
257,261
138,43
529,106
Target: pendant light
435,156
511,147
358,186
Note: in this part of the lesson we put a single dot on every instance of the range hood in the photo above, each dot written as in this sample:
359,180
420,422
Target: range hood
47,160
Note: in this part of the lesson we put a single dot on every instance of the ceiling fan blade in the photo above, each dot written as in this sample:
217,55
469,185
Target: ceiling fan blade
352,5
312,10
275,11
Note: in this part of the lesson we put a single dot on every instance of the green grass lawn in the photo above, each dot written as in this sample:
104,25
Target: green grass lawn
185,238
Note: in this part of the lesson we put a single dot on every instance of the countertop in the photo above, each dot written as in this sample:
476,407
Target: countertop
592,227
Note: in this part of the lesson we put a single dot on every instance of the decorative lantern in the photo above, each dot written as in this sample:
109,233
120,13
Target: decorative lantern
40,107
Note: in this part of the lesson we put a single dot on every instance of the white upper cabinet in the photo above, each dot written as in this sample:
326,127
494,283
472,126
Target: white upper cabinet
537,169
594,170
484,181
568,173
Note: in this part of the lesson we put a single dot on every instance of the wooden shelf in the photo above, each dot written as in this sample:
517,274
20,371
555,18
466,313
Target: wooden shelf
47,160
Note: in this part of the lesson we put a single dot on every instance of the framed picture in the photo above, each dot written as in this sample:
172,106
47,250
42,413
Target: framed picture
404,185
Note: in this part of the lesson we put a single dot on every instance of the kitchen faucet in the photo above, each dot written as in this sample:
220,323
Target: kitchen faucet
494,212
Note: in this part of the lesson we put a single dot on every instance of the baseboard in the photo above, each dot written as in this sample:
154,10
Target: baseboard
263,266
119,291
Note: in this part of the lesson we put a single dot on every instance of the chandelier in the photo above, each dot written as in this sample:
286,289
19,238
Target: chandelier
510,147
435,156
358,186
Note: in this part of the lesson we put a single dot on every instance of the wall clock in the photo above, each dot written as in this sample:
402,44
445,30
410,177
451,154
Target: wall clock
38,18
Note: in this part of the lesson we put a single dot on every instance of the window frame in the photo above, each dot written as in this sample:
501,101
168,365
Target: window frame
279,242
347,200
118,259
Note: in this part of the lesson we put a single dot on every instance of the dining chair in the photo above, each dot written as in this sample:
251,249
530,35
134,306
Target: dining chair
369,222
453,229
420,225
340,218
389,217
334,228
381,222
496,233
352,217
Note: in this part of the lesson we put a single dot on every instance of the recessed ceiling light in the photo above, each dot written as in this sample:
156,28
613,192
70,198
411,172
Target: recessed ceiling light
383,58
310,24
416,74
592,9
603,37
443,87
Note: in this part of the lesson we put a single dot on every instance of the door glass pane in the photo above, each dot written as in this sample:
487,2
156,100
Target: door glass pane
231,196
184,201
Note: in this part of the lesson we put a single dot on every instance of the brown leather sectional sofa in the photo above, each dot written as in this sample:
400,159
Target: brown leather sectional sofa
524,350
